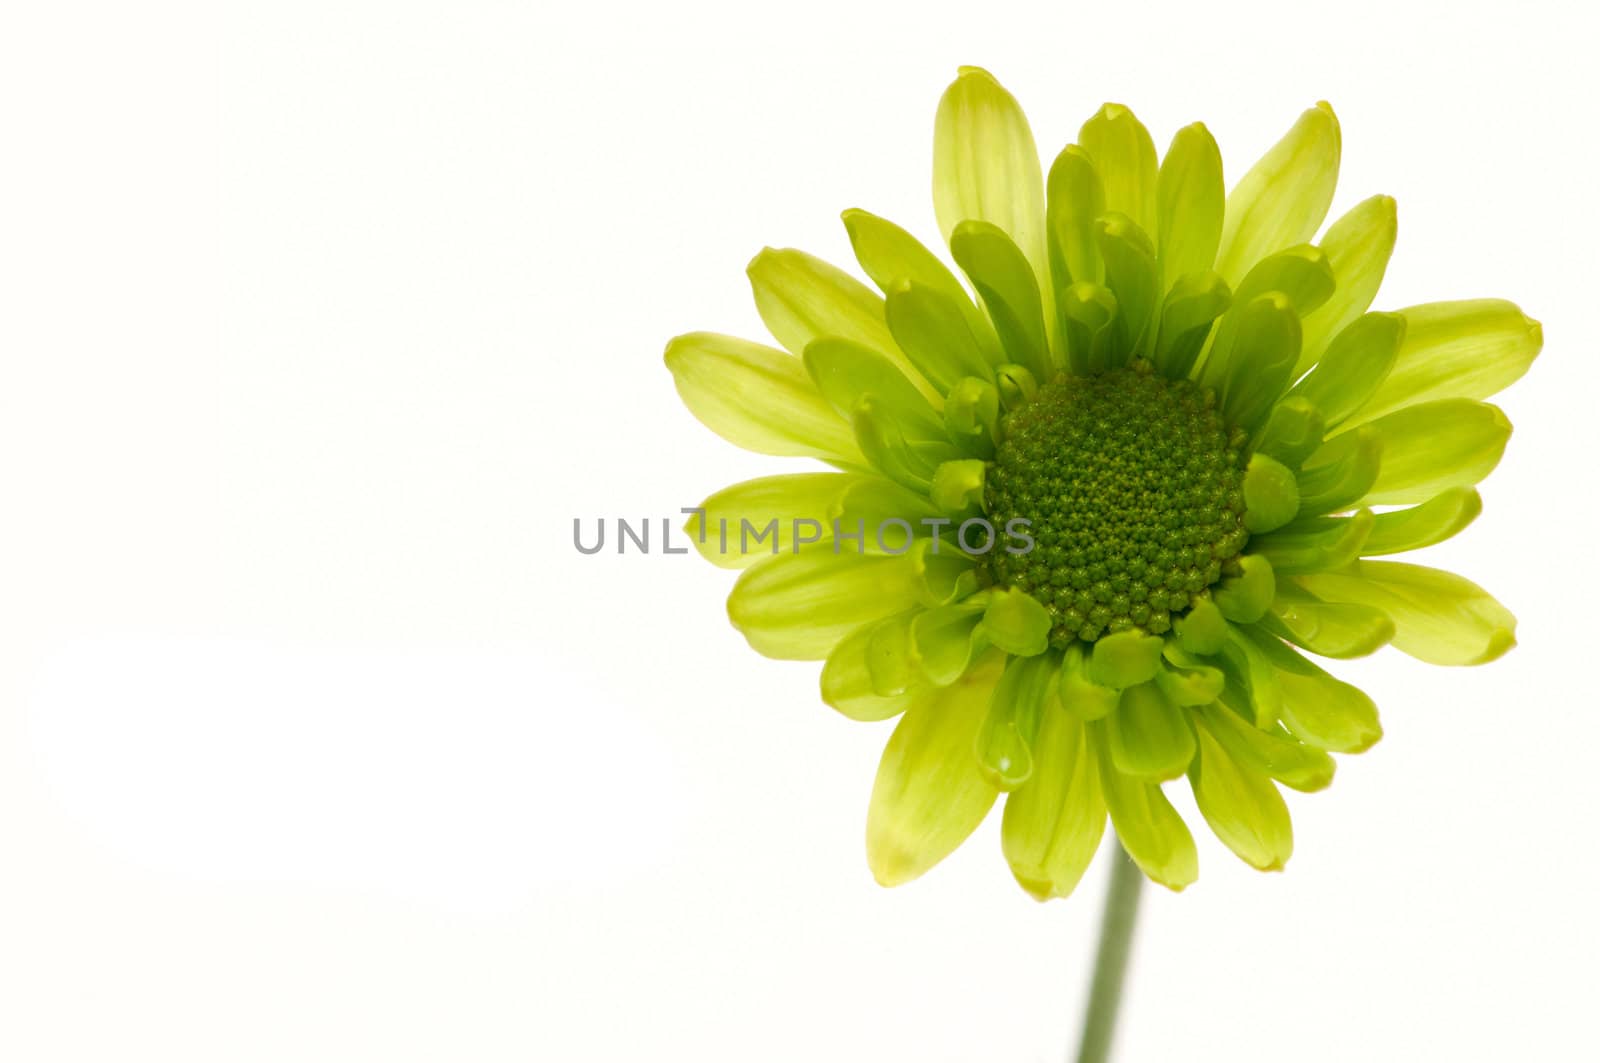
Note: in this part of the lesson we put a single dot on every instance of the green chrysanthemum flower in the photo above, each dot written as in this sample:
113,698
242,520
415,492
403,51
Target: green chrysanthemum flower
1124,490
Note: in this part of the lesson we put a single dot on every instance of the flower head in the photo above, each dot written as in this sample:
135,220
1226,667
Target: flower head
1090,516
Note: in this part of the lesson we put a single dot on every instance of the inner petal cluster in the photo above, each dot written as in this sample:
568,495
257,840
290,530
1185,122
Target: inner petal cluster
1131,484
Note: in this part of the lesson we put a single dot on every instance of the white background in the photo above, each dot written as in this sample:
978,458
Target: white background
320,322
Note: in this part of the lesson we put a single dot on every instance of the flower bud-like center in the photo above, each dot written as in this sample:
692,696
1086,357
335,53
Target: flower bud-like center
1131,486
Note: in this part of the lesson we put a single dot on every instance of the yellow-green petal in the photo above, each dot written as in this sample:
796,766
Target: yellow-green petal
1330,629
930,792
1190,199
1275,751
1433,521
1075,199
850,680
758,398
1318,709
757,518
1284,197
1125,157
986,166
1354,366
798,606
1150,829
1358,246
1150,738
1053,824
1466,350
1010,292
1434,447
1241,806
1439,617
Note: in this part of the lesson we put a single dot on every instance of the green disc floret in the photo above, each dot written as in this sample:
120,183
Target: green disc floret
1132,488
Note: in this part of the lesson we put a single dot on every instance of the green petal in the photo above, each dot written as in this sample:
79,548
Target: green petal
1203,629
1004,745
1330,629
846,372
1080,695
958,487
802,298
798,606
1433,521
1125,157
930,328
1193,304
903,453
1076,199
1465,350
1017,623
1271,497
1190,199
1316,546
1301,273
893,257
1150,829
1439,617
985,164
1274,752
1242,806
930,793
1009,290
1354,366
1293,432
1244,598
757,398
1054,824
1434,447
1133,277
1284,197
1253,680
1318,709
1150,738
851,678
972,415
943,640
1358,246
1190,686
757,518
1340,473
1250,365
1125,659
1089,327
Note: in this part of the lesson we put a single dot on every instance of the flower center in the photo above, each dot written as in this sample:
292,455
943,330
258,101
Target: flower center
1131,484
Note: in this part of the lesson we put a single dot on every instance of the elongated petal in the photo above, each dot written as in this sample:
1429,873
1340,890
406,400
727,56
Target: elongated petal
1242,806
757,518
846,373
848,678
802,298
798,606
1329,629
1467,350
930,793
1318,709
1192,306
1358,246
1434,447
1004,746
1150,737
985,165
1354,366
930,328
1316,546
1076,199
757,398
1190,199
1054,824
1284,197
1439,617
1433,521
893,258
1010,292
1275,752
1125,157
1133,277
1340,472
1149,828
1255,364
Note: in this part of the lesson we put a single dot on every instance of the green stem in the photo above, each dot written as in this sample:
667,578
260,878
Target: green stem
1111,960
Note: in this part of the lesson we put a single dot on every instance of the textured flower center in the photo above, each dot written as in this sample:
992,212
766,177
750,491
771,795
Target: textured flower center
1131,484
